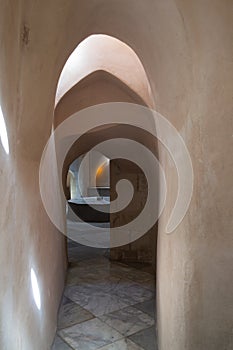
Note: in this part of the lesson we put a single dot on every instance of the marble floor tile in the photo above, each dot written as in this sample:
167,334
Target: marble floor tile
59,344
97,302
93,284
132,294
132,273
146,338
98,261
71,313
90,335
128,321
81,270
138,265
148,285
83,278
101,284
77,275
86,252
105,302
148,306
75,258
85,234
149,269
139,276
123,344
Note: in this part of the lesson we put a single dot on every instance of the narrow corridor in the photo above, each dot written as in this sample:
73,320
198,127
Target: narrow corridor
106,305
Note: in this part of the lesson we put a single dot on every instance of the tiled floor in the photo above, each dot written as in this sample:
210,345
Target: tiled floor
106,306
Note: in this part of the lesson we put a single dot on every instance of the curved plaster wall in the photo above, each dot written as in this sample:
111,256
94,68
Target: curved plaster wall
96,88
102,173
103,52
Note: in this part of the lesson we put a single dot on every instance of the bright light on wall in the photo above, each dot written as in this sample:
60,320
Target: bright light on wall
100,170
3,133
35,289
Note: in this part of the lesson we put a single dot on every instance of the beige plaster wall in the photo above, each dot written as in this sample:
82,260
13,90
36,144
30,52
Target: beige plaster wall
98,87
99,170
142,250
28,239
186,50
103,52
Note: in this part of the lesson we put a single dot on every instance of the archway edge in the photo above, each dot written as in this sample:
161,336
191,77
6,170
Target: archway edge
107,53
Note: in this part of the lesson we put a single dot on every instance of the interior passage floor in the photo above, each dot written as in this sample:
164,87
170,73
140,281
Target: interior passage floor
105,306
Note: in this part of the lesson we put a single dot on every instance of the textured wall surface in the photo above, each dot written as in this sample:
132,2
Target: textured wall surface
28,239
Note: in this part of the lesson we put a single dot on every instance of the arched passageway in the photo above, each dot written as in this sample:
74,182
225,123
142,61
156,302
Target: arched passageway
127,267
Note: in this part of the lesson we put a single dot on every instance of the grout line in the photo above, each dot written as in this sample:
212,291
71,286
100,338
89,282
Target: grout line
65,342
